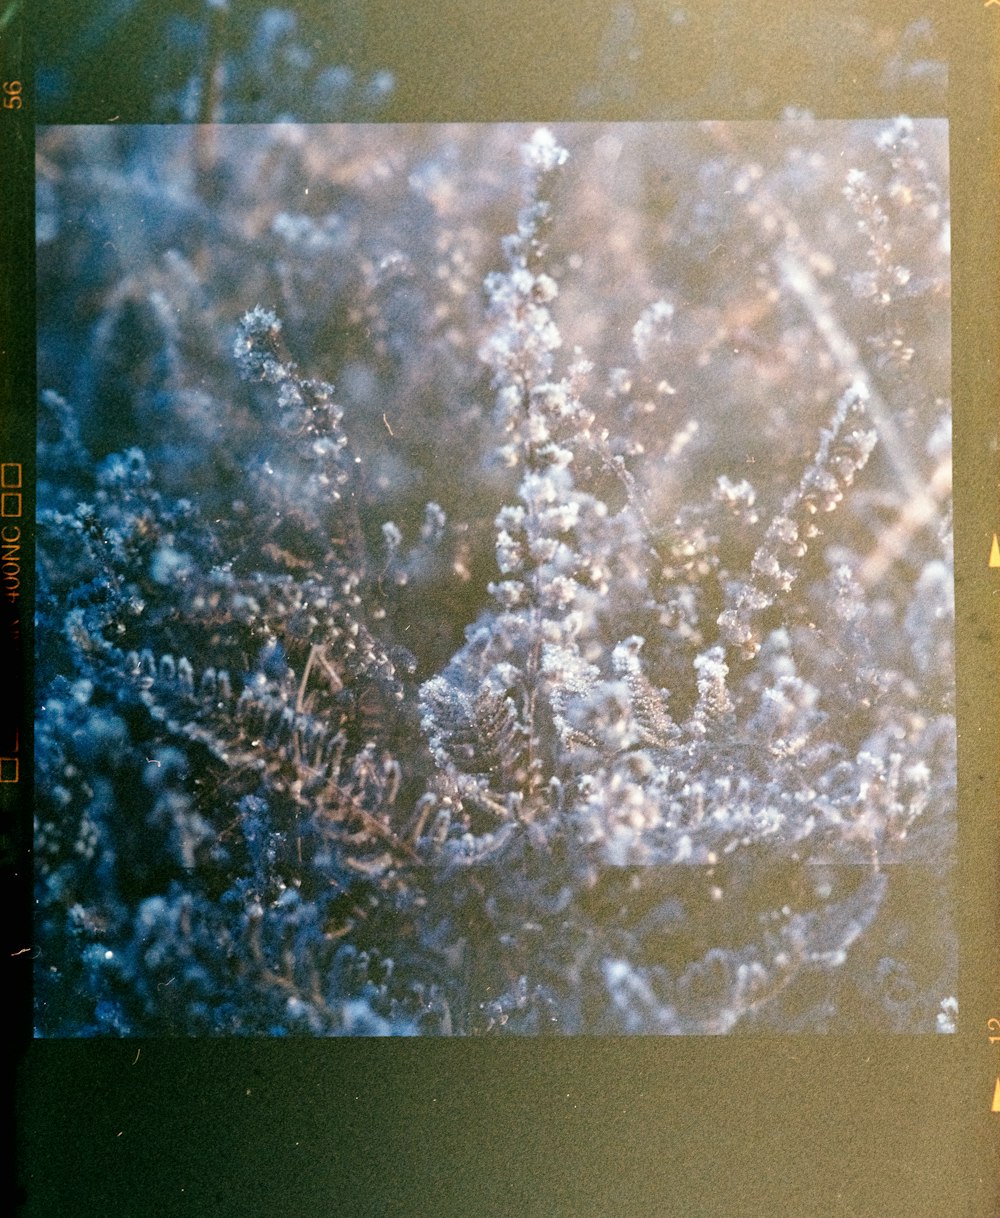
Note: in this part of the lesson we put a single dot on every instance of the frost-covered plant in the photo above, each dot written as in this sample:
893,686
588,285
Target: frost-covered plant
262,69
692,767
548,716
211,61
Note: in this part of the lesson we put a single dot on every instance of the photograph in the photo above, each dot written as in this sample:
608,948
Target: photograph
494,580
499,557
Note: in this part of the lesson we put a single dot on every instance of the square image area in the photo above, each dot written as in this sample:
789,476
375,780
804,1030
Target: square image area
495,579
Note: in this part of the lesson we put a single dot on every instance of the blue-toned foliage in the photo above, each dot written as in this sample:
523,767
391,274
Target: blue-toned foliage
210,61
576,658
